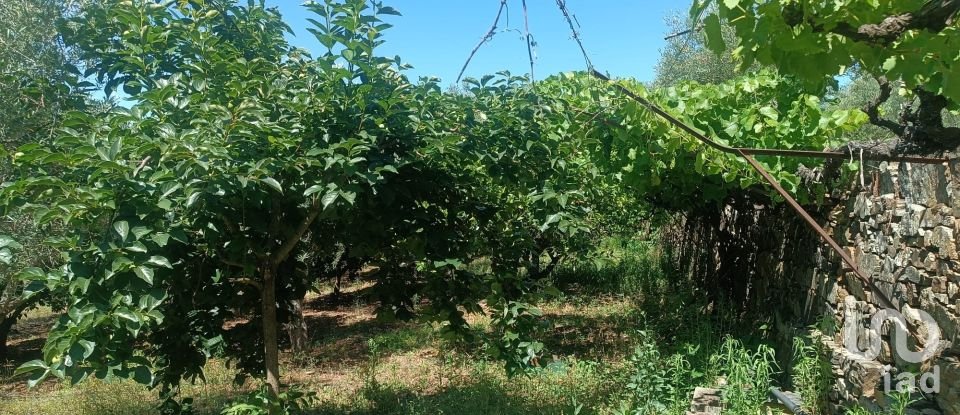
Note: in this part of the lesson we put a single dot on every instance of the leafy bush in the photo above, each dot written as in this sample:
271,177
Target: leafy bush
658,384
293,401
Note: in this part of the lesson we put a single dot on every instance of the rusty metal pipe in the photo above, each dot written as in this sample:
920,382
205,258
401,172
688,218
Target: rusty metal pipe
759,151
818,229
745,153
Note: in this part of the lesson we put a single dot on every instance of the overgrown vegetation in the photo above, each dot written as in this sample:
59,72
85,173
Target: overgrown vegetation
184,232
613,350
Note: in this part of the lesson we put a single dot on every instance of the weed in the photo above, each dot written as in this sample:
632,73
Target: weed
811,375
293,401
748,375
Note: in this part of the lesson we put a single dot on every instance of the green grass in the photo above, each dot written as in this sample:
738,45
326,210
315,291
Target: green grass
96,397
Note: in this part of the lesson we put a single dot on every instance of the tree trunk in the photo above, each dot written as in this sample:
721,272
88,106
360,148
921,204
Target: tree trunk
5,326
297,328
271,355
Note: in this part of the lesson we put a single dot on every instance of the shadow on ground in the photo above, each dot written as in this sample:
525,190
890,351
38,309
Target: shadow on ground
479,398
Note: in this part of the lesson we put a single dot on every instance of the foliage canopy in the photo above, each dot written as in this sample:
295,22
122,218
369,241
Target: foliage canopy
241,166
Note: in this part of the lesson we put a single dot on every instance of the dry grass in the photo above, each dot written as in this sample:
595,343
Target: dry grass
409,371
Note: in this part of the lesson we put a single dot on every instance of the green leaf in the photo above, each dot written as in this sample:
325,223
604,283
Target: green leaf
127,315
731,4
329,198
890,63
554,218
161,239
389,11
140,231
6,256
313,190
32,274
142,375
30,367
6,241
159,261
713,31
122,228
770,113
193,199
88,347
145,273
348,55
151,300
273,183
137,247
120,263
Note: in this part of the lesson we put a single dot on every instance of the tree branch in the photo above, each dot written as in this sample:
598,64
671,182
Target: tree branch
934,16
248,281
9,307
229,262
284,251
873,108
485,39
530,41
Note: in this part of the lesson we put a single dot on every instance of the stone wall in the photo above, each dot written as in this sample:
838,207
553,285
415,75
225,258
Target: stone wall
898,221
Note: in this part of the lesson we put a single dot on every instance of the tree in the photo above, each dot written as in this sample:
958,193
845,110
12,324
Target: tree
687,58
37,78
863,91
38,84
911,41
675,171
240,161
233,146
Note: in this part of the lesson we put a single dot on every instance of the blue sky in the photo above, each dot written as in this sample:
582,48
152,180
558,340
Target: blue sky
623,37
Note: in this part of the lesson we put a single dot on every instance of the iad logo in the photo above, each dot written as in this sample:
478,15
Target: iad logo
928,382
907,382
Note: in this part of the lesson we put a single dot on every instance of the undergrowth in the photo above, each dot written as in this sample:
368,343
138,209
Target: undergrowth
627,338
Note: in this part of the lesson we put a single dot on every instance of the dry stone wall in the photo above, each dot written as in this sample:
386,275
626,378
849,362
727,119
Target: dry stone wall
900,222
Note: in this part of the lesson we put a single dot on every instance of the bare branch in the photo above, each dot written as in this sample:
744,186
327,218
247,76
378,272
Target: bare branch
486,38
934,16
562,4
231,263
140,166
247,281
530,42
684,32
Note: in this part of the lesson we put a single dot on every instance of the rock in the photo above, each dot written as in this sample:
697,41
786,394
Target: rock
706,401
910,223
949,397
862,206
924,183
931,218
910,274
941,238
947,321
